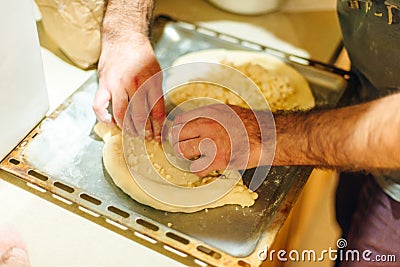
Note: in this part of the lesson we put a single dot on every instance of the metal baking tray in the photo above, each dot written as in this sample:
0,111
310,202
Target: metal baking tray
62,158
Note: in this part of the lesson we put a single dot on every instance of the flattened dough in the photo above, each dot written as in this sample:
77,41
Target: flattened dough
114,163
275,71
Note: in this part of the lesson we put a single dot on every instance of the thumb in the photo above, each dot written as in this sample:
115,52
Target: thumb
206,163
202,166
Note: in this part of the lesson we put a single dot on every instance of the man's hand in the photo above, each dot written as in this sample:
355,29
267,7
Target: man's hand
359,137
223,137
123,67
127,60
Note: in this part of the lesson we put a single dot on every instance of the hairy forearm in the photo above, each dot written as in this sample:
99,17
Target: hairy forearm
124,18
360,137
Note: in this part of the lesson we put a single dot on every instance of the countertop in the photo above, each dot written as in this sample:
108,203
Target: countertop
310,33
56,237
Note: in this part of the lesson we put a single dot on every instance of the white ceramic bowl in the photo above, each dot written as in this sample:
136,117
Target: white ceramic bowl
248,7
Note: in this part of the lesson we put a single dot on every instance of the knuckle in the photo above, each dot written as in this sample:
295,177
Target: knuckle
175,133
158,114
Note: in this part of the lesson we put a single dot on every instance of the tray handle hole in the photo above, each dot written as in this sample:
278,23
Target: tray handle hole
147,224
177,238
209,252
38,175
64,187
14,161
243,263
118,211
90,199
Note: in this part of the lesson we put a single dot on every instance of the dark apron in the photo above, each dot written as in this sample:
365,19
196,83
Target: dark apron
373,45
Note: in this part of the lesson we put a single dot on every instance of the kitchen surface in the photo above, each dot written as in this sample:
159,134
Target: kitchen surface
57,237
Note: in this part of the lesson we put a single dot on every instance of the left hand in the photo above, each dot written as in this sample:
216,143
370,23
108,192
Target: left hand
125,65
224,136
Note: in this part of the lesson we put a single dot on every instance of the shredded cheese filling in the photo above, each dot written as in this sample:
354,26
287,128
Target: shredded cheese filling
275,88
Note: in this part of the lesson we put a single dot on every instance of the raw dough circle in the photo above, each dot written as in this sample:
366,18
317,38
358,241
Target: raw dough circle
115,165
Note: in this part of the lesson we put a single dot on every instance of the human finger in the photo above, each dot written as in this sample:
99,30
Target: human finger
148,131
201,166
207,161
140,113
156,103
188,149
189,115
100,104
120,101
189,130
128,125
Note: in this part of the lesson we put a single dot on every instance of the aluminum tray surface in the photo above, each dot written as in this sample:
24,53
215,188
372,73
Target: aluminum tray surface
66,148
69,150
